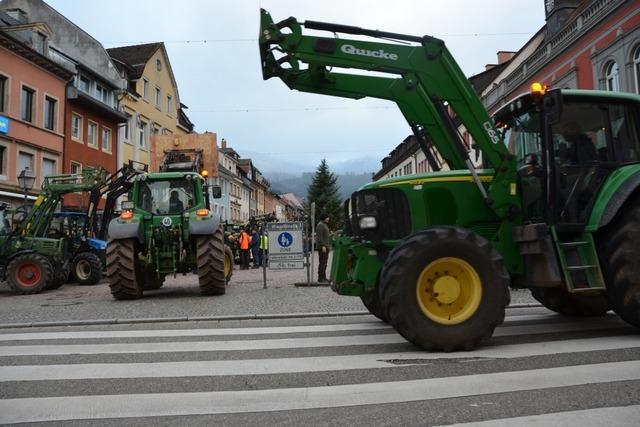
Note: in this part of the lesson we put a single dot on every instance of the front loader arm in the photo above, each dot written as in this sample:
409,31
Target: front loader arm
430,82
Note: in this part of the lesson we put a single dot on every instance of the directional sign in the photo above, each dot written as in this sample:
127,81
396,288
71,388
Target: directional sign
285,245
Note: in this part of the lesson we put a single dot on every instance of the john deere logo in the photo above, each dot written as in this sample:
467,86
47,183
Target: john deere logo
166,221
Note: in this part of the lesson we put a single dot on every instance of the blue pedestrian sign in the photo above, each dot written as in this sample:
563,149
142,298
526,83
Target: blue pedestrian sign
285,245
285,239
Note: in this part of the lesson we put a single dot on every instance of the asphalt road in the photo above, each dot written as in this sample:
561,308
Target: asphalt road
538,369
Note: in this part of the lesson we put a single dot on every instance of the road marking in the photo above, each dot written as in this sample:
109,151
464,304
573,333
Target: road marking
30,410
153,333
300,364
621,416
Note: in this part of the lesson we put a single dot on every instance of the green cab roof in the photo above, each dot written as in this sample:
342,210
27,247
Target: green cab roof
171,175
486,175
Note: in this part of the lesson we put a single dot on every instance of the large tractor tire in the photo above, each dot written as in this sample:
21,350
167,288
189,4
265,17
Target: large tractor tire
60,277
373,303
86,268
561,301
210,257
228,263
445,288
618,247
121,269
29,273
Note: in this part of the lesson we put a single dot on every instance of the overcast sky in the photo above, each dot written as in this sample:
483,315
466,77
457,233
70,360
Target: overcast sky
220,80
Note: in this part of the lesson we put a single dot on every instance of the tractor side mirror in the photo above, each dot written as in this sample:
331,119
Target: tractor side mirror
552,106
216,191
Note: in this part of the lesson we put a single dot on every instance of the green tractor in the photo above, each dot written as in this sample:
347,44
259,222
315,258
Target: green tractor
166,227
555,210
33,255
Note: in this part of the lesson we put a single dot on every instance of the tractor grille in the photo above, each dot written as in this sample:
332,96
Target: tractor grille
391,209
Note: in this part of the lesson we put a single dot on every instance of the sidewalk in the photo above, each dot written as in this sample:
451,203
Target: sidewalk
180,299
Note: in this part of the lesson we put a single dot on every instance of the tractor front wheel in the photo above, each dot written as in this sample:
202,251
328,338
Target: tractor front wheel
121,269
29,273
60,276
618,246
561,301
445,288
228,263
210,257
86,268
371,300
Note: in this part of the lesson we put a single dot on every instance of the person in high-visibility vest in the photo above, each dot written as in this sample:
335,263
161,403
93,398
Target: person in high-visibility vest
264,247
244,242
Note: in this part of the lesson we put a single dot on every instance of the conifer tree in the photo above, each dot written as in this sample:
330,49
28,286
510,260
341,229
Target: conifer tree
324,191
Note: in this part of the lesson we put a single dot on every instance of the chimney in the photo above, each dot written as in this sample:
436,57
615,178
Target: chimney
223,143
504,56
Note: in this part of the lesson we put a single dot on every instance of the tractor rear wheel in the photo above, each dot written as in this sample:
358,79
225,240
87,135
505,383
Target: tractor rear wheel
561,301
371,300
29,273
445,288
121,269
228,263
618,246
210,257
86,268
60,277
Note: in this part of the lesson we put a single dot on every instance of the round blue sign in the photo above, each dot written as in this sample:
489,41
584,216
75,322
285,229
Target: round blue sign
285,239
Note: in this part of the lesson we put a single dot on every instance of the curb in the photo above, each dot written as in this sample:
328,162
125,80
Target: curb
93,322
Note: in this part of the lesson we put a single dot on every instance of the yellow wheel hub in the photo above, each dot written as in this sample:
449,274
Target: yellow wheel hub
228,265
449,290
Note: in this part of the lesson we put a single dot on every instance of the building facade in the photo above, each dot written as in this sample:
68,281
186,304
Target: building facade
32,94
91,117
151,103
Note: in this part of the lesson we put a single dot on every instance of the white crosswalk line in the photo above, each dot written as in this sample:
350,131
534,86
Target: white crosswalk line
24,410
153,333
300,364
621,416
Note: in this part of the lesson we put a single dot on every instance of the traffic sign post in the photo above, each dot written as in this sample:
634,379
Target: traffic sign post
286,249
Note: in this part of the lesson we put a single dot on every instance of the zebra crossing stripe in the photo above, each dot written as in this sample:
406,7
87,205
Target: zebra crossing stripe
29,410
621,416
299,364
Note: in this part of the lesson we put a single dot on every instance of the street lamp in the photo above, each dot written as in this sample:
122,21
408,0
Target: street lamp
26,181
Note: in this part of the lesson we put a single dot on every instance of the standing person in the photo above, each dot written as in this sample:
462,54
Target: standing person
244,242
264,247
323,242
255,248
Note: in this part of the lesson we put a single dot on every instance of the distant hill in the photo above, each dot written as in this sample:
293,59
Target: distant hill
297,183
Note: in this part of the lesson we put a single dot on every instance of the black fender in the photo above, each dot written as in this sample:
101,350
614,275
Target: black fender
200,227
619,198
125,230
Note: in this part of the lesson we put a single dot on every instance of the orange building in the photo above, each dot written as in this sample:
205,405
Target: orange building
32,100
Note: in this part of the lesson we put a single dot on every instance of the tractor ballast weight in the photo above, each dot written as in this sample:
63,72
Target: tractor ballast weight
557,210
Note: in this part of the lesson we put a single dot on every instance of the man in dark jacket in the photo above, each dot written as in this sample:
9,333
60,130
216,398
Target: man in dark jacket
323,240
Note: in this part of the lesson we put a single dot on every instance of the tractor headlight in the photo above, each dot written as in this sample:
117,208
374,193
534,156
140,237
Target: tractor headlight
368,222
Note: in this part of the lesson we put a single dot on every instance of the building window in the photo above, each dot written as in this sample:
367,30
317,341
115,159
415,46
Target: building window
145,89
26,104
142,133
40,41
3,166
76,127
158,97
48,167
158,65
636,68
103,94
125,130
25,161
169,105
76,168
84,84
4,90
106,140
49,113
92,134
612,76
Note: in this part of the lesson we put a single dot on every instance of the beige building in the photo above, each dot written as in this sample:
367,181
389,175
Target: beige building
151,101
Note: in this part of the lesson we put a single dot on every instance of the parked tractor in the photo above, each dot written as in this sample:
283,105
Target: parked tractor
165,228
556,211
